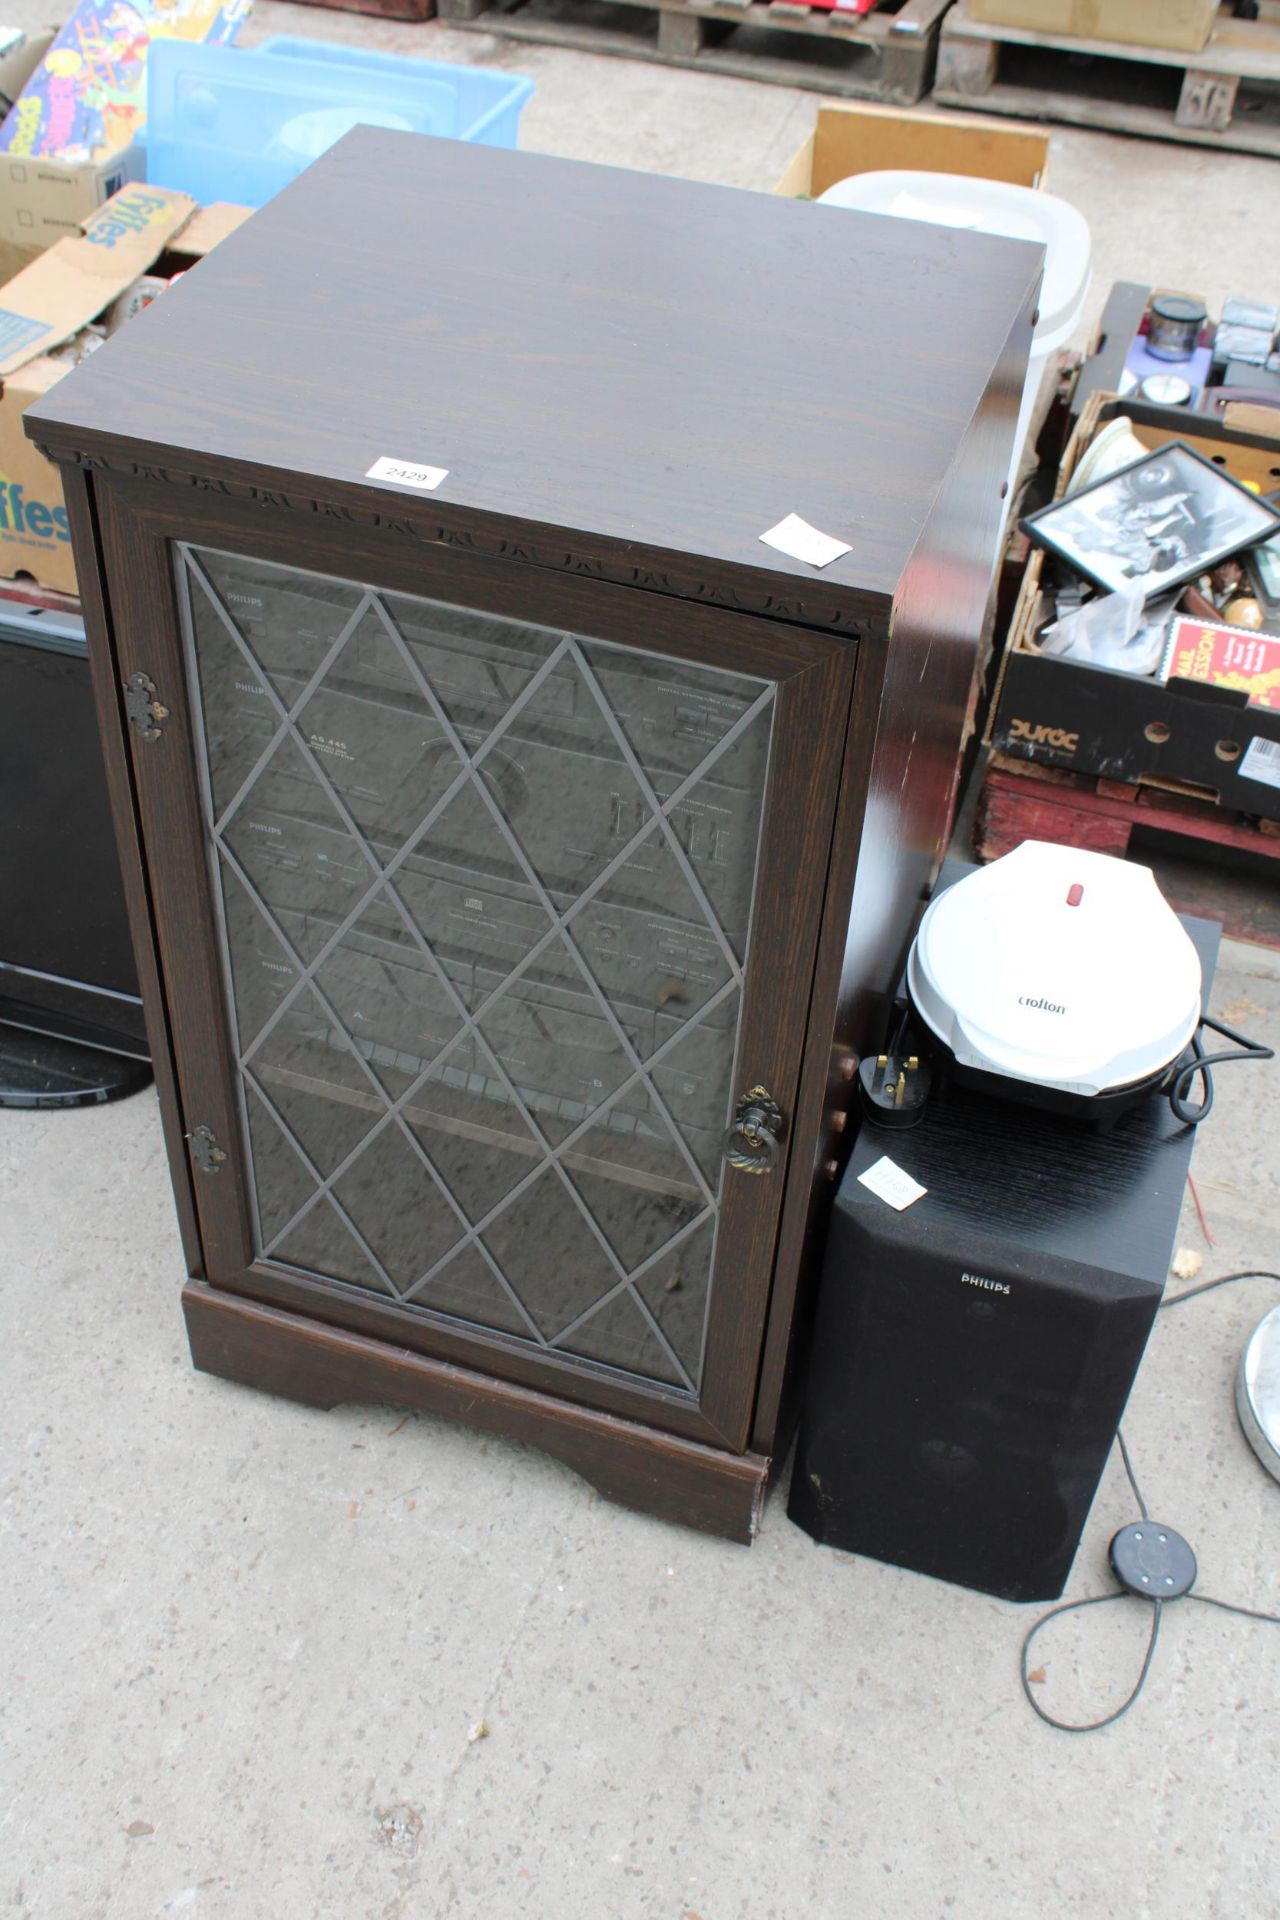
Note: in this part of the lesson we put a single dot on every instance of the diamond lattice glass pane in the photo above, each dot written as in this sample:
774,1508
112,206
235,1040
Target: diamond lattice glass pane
475,664
549,1255
648,943
388,996
261,970
302,861
398,1207
471,1130
288,619
695,1079
316,1083
575,802
675,1290
466,1288
322,1243
441,978
673,714
375,735
467,894
281,1182
718,826
556,1042
634,1178
619,1334
240,720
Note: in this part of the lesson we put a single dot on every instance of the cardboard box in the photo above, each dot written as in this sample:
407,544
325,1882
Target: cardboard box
13,260
1122,316
46,306
1184,26
46,200
865,139
1187,736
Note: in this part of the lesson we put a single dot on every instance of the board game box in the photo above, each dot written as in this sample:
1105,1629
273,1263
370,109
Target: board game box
1226,657
87,98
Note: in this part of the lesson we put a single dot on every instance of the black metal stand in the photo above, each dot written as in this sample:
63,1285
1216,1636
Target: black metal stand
42,1070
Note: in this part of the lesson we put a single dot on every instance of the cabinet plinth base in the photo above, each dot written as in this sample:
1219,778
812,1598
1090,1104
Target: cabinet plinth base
323,1366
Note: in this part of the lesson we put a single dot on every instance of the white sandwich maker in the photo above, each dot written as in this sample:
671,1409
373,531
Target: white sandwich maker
1058,976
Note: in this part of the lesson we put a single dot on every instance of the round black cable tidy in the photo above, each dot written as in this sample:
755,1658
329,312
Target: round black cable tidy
1151,1560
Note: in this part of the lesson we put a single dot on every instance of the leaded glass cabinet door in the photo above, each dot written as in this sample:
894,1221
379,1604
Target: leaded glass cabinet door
503,920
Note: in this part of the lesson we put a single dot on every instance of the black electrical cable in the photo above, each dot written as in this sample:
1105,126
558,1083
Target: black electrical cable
1200,1065
1223,1280
1073,1606
1101,1599
903,1023
1132,1477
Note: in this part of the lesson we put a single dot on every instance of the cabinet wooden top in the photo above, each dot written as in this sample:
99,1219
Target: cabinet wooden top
615,354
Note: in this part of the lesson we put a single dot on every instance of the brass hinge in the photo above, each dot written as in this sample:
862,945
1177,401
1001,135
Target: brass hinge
143,710
205,1151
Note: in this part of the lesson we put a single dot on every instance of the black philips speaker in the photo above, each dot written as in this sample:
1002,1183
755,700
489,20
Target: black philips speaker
972,1354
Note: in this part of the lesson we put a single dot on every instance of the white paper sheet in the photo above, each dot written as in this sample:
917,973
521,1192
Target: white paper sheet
803,542
403,474
892,1183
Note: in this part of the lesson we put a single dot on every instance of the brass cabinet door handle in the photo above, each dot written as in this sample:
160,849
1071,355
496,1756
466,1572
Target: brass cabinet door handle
751,1143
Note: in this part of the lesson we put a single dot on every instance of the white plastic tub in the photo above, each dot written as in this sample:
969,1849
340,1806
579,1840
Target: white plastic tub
994,206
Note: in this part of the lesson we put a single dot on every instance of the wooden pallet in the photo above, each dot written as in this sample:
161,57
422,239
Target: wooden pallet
871,56
1209,861
1227,95
385,9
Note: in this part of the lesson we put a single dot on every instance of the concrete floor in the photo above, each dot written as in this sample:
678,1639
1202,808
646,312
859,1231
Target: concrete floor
244,1667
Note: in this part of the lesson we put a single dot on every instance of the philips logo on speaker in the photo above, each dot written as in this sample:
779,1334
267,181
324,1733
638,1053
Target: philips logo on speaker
1043,1006
981,1280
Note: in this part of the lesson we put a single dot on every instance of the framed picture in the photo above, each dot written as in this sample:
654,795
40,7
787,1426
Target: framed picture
1264,573
1149,526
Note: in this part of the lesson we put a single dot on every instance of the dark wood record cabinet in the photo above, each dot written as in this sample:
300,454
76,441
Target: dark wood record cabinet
516,864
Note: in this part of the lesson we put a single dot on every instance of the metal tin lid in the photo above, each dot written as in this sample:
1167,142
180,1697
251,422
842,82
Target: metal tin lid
1178,308
1166,390
1258,1391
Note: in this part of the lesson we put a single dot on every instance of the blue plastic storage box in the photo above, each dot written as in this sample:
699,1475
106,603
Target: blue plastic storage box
489,103
229,125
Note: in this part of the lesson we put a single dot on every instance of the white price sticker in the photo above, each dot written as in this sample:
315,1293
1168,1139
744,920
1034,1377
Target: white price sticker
803,542
892,1184
1262,762
402,473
